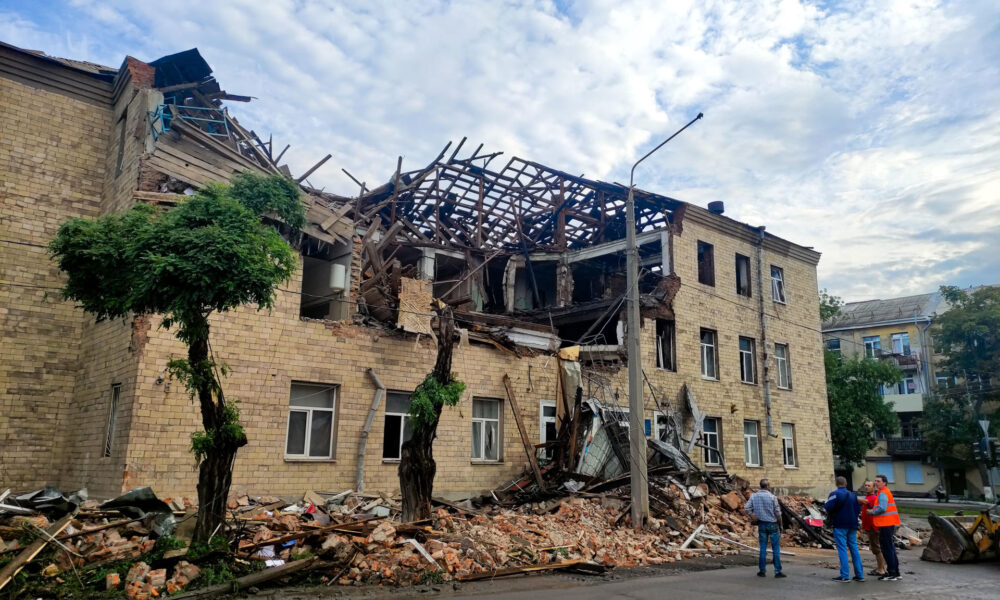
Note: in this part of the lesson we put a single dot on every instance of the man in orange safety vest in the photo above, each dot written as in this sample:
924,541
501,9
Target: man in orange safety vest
885,517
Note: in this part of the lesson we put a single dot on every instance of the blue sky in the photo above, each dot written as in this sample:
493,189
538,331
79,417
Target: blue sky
869,130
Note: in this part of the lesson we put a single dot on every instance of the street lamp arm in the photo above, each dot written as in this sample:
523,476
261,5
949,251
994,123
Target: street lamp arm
631,176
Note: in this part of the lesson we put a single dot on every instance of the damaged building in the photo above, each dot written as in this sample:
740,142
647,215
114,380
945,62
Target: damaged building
531,258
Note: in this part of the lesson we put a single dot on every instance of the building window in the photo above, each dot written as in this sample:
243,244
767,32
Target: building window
743,276
914,472
873,346
109,434
901,343
885,468
748,360
833,346
706,263
310,421
547,431
778,284
944,381
709,354
909,424
784,366
751,443
788,445
662,426
711,437
907,386
485,429
397,425
666,356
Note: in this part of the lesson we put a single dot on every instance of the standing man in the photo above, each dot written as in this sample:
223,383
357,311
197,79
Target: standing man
868,527
842,508
886,518
763,506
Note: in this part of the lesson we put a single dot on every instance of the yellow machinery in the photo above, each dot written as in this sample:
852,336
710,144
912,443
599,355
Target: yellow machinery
953,541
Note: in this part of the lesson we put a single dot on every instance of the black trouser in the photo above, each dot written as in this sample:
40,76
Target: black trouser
889,549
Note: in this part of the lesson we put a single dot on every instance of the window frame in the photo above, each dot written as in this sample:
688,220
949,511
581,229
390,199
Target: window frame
829,345
717,449
903,390
748,356
705,258
334,389
109,431
481,421
404,417
747,437
714,350
783,364
904,342
542,420
872,343
669,326
746,290
778,291
788,443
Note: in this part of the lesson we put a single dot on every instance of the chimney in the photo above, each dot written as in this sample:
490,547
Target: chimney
717,208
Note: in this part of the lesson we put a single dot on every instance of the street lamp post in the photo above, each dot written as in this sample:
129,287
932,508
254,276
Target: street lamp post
637,439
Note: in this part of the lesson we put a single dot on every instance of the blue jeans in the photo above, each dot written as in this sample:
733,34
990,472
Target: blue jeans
847,539
769,531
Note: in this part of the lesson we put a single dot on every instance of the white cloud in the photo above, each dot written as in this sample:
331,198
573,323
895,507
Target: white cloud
867,130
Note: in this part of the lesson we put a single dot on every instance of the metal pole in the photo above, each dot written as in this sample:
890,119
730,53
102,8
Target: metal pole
637,433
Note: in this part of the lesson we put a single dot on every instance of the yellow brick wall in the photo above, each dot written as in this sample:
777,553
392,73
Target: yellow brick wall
52,150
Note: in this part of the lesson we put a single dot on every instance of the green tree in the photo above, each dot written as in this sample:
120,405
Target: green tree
856,408
949,426
829,305
211,253
439,389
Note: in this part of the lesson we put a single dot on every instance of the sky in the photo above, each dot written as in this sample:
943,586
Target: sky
867,130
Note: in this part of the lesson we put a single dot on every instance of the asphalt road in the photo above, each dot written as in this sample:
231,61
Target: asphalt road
809,576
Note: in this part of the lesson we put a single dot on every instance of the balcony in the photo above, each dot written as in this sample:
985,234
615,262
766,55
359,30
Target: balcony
907,360
905,447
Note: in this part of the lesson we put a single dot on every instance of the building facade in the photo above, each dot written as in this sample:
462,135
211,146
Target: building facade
531,258
899,330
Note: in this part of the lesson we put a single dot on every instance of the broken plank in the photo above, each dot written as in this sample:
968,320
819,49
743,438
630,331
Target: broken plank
517,570
249,580
529,448
28,554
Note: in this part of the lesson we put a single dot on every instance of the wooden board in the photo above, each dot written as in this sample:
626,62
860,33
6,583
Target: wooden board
529,448
415,298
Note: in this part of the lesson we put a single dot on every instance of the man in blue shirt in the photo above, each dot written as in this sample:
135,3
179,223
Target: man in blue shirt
764,507
842,509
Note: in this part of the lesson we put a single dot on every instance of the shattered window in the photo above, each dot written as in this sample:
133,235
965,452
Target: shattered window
706,263
485,429
547,430
310,421
665,354
788,444
778,284
397,425
711,430
743,275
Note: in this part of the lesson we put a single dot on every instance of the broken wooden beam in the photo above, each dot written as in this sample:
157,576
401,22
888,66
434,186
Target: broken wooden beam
313,169
249,580
529,448
517,570
28,554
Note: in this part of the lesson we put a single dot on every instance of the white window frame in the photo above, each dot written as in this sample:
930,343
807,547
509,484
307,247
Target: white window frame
717,447
109,434
788,446
752,440
834,350
945,381
333,389
783,366
778,285
903,390
404,417
481,421
748,360
543,420
873,345
900,337
662,361
746,275
712,348
657,428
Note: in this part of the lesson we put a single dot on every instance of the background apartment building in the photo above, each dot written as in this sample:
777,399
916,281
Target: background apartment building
899,330
730,313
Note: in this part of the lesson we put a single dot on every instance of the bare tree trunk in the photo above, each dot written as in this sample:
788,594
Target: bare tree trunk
416,466
215,473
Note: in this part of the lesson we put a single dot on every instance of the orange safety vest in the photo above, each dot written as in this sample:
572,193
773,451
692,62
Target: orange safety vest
891,515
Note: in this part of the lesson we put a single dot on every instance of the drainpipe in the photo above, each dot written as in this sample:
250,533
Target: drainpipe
925,357
763,331
379,393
